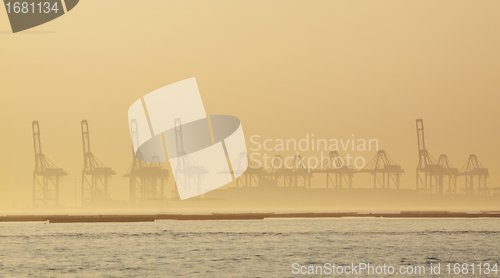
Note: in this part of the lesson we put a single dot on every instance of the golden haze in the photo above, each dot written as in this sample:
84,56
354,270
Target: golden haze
285,68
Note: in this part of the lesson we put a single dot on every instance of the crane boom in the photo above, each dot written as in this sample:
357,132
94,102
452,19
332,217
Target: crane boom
39,166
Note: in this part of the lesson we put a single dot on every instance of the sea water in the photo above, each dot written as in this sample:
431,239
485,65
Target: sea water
249,248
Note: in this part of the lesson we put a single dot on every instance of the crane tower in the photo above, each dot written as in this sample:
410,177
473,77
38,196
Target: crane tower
95,175
428,170
147,180
46,176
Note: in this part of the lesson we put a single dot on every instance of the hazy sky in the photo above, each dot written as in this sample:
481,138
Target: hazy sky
285,68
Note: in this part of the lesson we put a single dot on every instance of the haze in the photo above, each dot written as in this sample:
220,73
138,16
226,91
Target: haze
284,68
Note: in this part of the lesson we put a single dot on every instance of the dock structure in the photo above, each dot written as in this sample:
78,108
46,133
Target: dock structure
187,170
337,171
432,174
289,174
254,173
147,180
447,172
384,170
428,169
300,172
280,172
54,219
95,175
475,176
46,176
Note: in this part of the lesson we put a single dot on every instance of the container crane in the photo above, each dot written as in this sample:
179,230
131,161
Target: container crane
46,176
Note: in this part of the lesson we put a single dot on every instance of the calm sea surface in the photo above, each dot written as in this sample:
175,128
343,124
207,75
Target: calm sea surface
260,248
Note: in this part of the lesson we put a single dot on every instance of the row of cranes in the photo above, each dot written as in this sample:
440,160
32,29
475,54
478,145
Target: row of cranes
147,179
433,175
385,172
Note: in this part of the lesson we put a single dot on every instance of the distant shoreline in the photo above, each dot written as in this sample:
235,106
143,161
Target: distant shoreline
238,216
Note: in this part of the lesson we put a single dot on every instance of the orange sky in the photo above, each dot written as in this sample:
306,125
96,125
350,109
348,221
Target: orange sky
285,68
